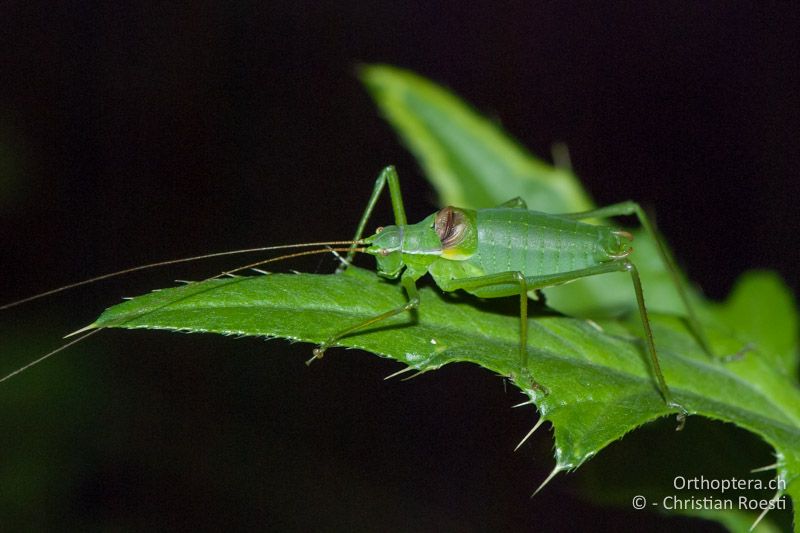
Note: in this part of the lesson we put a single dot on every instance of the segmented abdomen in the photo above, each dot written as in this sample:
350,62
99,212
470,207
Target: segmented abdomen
537,244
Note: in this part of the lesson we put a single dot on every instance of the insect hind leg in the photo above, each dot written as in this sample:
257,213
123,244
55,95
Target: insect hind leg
498,285
630,208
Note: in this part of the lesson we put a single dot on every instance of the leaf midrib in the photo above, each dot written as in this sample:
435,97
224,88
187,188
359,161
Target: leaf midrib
470,328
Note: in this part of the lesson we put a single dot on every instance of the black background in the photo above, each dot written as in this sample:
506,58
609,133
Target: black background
131,134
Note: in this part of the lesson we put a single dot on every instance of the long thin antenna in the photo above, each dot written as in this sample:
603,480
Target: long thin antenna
50,354
170,262
87,333
281,258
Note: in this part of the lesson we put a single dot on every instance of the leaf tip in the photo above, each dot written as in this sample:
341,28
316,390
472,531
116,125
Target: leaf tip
91,326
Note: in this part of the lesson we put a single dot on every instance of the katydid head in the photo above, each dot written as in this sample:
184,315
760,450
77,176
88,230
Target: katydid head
386,245
396,247
449,232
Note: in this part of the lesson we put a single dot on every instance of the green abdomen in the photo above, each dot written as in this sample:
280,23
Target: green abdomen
537,244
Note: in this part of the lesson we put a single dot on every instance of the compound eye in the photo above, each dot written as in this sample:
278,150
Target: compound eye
378,229
450,225
384,252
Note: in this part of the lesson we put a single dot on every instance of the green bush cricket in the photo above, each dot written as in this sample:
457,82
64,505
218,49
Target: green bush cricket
508,251
490,253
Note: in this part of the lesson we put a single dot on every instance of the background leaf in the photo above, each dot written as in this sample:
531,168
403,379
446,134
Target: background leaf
473,163
469,159
760,309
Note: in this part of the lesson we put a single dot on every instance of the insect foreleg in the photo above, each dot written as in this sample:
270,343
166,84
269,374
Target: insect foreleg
387,175
632,208
409,284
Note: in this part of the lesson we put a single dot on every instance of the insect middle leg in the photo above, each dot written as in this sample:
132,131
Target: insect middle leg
512,283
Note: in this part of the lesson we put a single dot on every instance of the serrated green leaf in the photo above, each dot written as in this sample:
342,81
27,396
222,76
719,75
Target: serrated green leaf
600,386
760,309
